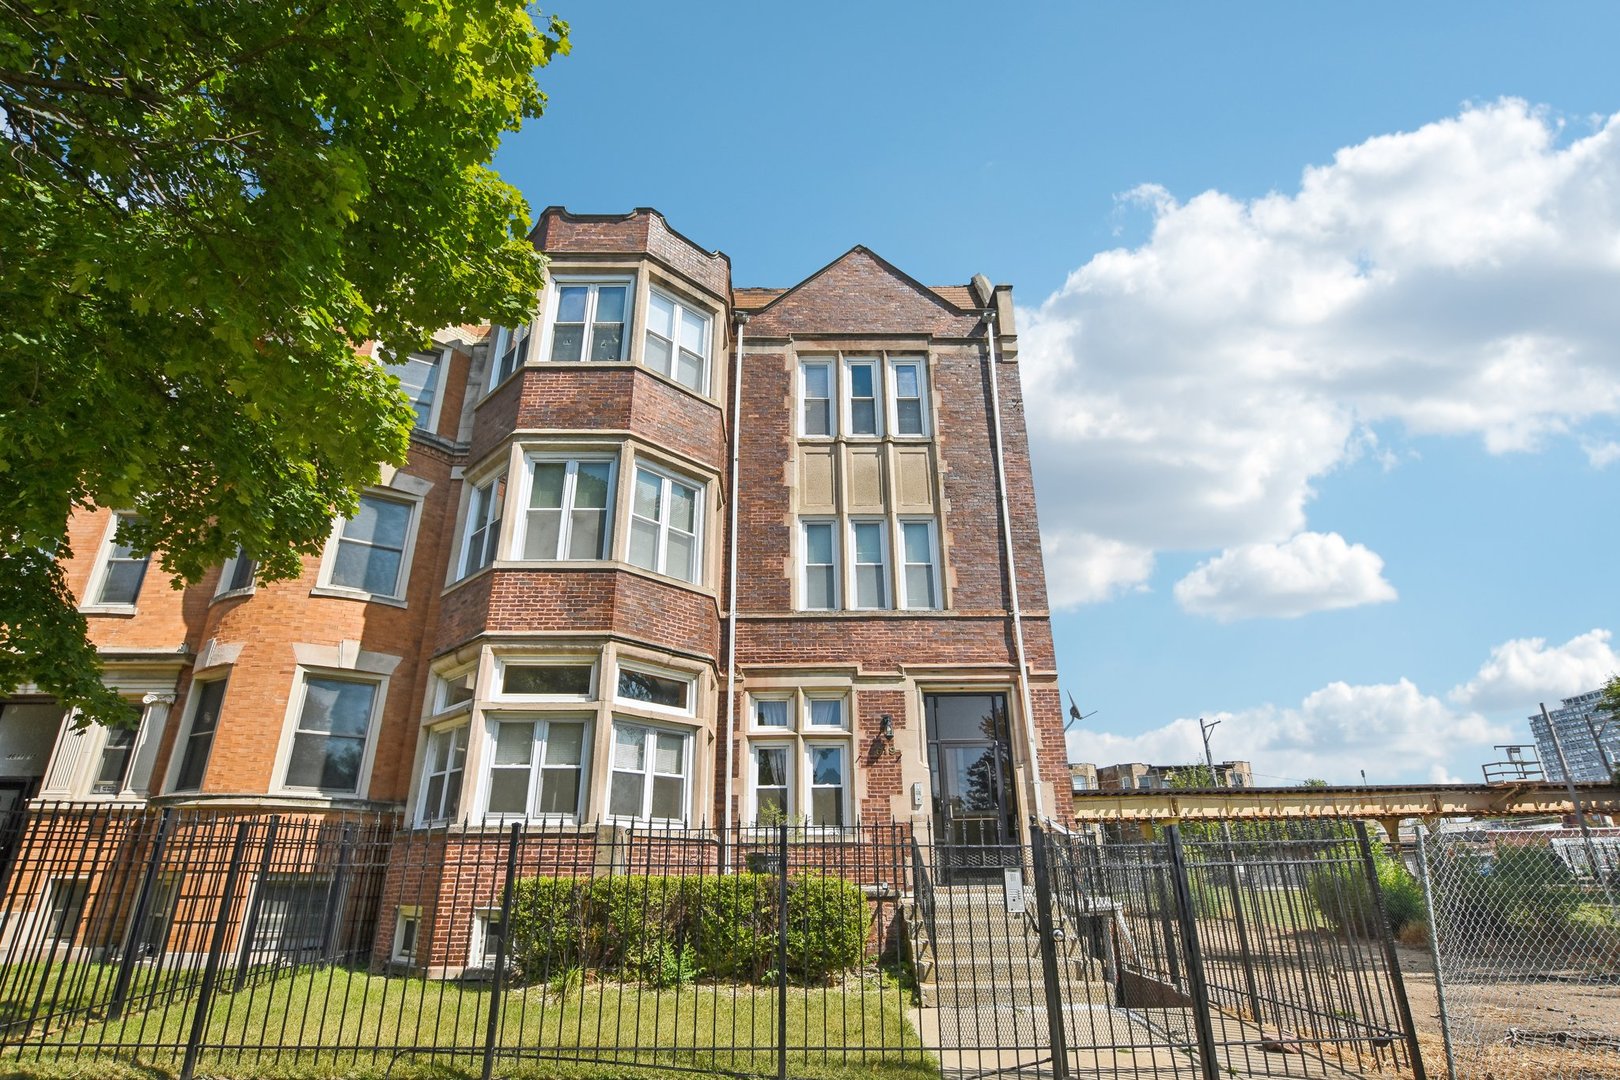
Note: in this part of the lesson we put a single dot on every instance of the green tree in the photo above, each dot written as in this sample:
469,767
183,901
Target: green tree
205,206
1199,775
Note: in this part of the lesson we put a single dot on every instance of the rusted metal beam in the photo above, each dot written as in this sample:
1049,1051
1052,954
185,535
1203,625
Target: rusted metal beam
1385,802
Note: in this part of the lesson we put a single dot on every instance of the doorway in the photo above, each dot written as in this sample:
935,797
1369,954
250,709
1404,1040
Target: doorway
975,798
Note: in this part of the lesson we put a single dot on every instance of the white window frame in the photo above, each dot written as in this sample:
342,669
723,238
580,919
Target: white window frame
846,787
540,732
901,579
99,761
681,306
291,729
800,737
57,932
502,337
429,771
648,771
893,396
832,398
440,361
498,692
886,600
103,566
520,538
699,491
443,680
789,699
177,756
493,518
789,746
228,570
594,284
326,587
838,586
687,677
406,913
478,939
847,400
808,722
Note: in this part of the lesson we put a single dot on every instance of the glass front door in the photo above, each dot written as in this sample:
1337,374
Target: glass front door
975,799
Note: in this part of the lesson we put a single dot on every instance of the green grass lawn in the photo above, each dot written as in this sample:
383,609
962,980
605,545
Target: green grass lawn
352,1023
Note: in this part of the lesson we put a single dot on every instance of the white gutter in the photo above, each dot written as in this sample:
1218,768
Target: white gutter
1012,569
731,592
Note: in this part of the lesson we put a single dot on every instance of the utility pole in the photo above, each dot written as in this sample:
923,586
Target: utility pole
1209,759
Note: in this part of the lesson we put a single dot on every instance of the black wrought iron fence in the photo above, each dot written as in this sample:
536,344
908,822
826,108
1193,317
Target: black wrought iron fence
223,941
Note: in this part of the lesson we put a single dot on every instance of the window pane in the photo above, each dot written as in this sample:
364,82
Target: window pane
644,544
207,718
547,489
559,791
648,495
908,415
826,766
456,690
241,572
567,342
818,543
573,680
591,484
690,372
508,791
660,316
379,521
338,706
694,331
860,381
514,743
819,589
607,342
629,748
863,418
433,797
610,304
918,549
669,753
827,712
659,353
905,381
683,507
868,543
585,534
541,537
772,803
326,762
869,586
772,766
771,713
679,561
827,808
624,796
571,303
920,587
381,575
123,582
565,744
668,797
653,689
817,381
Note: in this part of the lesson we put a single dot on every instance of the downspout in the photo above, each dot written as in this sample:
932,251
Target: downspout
1012,568
731,595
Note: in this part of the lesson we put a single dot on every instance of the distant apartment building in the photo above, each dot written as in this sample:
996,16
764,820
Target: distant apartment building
1590,740
674,553
1137,776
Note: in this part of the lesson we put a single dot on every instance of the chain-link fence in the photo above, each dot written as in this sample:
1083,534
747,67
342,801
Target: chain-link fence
1525,936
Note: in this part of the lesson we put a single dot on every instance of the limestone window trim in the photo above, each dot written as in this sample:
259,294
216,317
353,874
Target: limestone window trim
405,490
893,579
804,735
108,553
583,294
79,759
870,396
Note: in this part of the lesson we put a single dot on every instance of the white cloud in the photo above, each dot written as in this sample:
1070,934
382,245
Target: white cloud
1524,671
1454,280
1393,731
1601,454
1309,572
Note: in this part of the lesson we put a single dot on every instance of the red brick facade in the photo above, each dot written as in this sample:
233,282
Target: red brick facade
606,679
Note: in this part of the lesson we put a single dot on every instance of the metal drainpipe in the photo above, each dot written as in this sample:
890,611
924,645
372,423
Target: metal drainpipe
731,596
1012,569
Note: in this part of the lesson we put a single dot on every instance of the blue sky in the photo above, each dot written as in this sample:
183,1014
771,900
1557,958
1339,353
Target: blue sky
1332,456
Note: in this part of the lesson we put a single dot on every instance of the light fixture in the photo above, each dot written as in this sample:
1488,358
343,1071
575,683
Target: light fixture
886,728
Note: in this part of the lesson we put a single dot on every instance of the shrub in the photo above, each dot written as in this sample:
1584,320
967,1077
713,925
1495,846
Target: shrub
669,930
1344,899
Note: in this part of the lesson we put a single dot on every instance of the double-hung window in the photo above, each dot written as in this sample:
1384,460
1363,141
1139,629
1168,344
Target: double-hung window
418,376
124,570
799,759
442,774
651,770
206,699
869,550
511,349
115,754
371,546
537,767
237,574
820,553
482,540
569,513
919,579
908,393
664,524
333,728
677,341
815,398
589,320
862,396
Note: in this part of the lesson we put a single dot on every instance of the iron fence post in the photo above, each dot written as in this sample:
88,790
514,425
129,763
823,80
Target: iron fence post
781,949
137,918
1202,1022
1048,935
1391,958
497,985
250,926
1242,923
222,925
1434,953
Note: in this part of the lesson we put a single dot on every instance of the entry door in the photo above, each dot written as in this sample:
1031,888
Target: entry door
975,801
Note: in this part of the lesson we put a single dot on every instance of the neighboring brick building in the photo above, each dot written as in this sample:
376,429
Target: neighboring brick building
532,617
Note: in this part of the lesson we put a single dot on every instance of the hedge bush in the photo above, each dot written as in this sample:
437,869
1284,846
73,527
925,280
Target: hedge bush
1345,900
664,930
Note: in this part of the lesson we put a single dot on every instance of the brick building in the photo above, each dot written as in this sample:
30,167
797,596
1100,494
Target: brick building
534,617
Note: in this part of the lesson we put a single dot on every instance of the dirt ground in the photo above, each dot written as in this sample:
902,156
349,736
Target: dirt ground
1543,1009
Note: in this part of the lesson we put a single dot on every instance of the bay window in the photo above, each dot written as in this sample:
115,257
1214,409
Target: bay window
650,773
569,509
511,349
677,341
588,320
443,773
537,767
664,524
483,531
